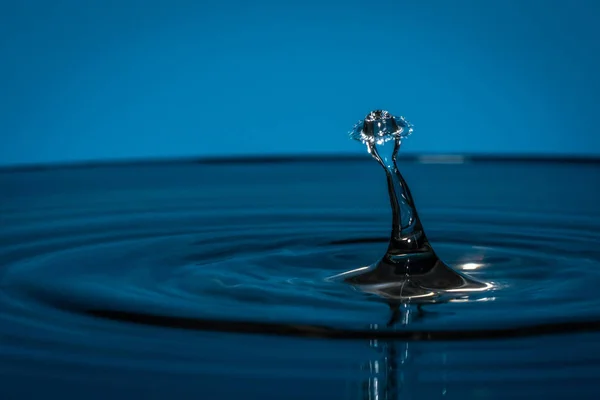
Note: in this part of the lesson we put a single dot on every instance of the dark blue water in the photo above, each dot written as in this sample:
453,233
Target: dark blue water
209,280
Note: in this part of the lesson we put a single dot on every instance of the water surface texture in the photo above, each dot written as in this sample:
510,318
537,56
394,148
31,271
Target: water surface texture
198,280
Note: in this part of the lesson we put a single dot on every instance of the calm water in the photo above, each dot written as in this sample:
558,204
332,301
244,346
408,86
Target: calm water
208,280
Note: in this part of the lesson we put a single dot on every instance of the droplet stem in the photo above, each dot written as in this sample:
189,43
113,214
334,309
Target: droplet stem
407,232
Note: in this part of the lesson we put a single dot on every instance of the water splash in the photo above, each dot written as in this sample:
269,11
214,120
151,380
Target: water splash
410,269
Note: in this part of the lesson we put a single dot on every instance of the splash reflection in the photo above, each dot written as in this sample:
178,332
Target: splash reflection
394,372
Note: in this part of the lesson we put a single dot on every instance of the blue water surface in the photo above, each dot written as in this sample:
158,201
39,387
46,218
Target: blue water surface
219,272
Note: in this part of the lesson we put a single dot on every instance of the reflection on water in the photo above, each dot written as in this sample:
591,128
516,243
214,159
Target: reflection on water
392,373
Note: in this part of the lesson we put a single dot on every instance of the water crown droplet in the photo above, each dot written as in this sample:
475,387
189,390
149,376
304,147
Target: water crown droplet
410,270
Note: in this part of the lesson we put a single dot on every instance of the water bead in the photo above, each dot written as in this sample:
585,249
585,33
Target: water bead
410,270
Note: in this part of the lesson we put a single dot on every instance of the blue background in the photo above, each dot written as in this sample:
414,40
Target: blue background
125,79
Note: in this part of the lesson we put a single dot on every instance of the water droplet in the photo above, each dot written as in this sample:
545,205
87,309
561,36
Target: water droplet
410,270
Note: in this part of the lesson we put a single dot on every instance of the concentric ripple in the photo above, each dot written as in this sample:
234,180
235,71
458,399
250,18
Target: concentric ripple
97,261
265,268
253,271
